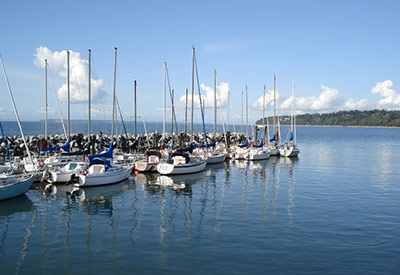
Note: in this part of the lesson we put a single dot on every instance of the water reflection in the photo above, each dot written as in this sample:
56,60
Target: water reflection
194,206
154,183
290,165
8,209
20,204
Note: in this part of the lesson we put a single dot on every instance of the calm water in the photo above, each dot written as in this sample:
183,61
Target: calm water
334,209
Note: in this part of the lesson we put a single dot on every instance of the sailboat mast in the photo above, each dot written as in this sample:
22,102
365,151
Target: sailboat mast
46,105
172,111
268,134
165,97
114,94
69,99
192,109
90,96
215,103
229,103
186,105
247,112
135,95
241,117
15,110
291,117
274,104
294,114
263,107
263,114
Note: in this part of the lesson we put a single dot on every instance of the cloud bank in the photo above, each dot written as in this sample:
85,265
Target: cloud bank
207,98
391,100
78,75
330,100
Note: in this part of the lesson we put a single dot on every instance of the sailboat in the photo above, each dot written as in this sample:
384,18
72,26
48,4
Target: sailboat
214,155
259,151
289,149
150,161
55,161
182,161
100,171
273,147
12,185
62,168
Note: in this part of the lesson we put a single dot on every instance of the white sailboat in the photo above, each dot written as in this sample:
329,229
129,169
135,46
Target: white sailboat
180,162
63,174
273,147
152,158
258,152
213,155
290,149
11,185
100,171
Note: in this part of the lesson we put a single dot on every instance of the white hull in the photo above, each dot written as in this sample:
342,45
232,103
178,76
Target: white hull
60,176
289,152
189,168
258,154
64,174
274,151
216,157
113,175
241,153
12,186
144,166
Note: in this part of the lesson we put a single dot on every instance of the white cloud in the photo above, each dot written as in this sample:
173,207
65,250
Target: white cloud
207,98
391,100
269,101
78,75
329,100
362,104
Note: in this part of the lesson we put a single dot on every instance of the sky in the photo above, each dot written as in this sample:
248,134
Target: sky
343,55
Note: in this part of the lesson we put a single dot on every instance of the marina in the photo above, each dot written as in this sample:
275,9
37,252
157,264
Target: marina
332,212
208,137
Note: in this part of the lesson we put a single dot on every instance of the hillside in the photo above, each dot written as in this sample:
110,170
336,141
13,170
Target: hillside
381,118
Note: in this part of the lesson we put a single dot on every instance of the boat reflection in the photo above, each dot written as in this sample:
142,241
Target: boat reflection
240,164
180,183
20,204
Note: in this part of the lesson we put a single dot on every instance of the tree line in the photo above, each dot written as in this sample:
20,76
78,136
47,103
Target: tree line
376,117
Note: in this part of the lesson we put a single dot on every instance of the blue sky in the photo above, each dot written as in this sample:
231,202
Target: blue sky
339,51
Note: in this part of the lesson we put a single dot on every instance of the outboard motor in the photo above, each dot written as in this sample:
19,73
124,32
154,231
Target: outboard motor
74,179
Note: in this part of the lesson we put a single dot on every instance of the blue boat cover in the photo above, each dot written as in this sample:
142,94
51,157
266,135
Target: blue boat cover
66,148
105,162
106,154
259,145
245,144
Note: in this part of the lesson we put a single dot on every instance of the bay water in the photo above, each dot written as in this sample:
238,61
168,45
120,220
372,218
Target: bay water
334,209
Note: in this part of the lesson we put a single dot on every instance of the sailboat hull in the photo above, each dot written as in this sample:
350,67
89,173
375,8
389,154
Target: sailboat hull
11,186
116,175
216,157
171,169
258,154
289,152
143,166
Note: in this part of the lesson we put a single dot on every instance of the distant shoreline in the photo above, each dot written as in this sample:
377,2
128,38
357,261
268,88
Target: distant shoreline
345,126
210,123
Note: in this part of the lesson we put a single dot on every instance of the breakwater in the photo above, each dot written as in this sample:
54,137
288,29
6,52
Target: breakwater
126,143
